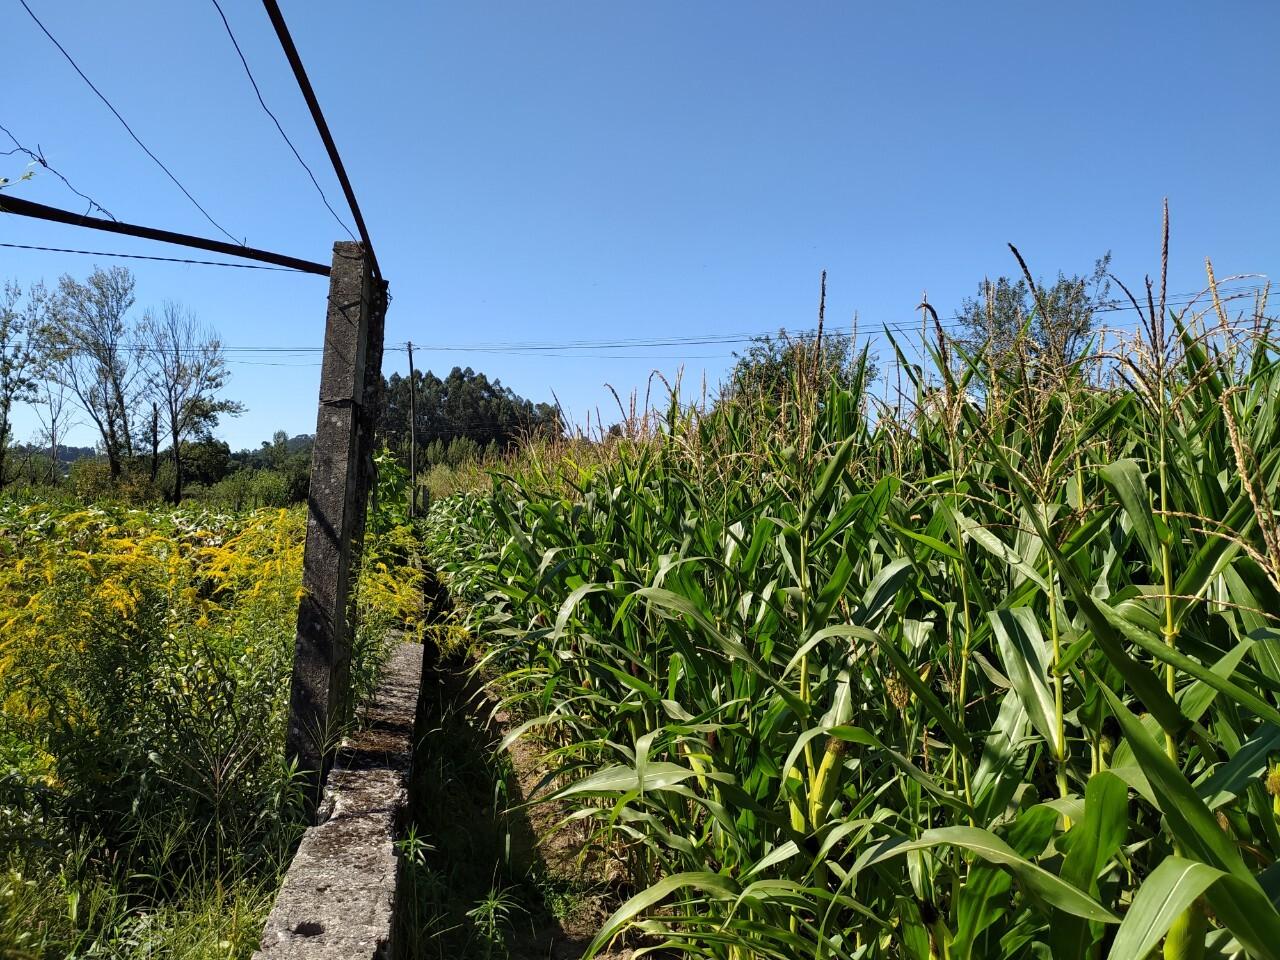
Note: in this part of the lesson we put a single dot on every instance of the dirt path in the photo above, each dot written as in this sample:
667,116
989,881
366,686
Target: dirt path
491,882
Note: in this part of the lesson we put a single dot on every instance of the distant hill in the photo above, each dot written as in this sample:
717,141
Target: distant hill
66,455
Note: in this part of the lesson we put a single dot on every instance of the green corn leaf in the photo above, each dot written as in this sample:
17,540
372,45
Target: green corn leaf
1244,768
1145,684
570,604
826,483
1240,905
1156,646
711,883
1189,819
927,697
624,779
1125,478
882,590
1171,888
1090,845
985,844
858,517
1000,770
933,543
1000,550
1023,652
1198,697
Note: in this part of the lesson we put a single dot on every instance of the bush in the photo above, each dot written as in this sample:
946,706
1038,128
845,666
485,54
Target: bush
160,704
91,480
251,489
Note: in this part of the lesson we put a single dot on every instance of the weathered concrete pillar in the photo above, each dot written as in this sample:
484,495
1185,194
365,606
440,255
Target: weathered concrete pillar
340,478
370,408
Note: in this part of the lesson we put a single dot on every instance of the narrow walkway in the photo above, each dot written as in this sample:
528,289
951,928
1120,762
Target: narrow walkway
337,899
491,883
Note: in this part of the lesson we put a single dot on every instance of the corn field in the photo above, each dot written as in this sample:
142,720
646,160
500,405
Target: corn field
994,673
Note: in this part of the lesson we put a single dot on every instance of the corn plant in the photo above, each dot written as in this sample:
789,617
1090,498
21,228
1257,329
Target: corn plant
994,676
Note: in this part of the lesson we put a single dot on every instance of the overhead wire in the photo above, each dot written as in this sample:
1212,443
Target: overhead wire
37,155
589,349
140,256
263,103
322,127
125,124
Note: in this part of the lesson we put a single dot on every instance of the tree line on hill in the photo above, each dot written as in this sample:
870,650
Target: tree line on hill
150,385
462,417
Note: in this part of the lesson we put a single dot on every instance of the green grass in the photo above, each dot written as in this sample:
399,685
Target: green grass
995,675
53,914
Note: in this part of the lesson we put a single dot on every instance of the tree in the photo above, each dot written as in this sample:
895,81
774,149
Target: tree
19,315
153,435
186,369
277,451
87,337
774,366
1059,320
205,459
463,405
50,405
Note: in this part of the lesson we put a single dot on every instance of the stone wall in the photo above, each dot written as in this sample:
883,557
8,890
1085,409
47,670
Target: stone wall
337,899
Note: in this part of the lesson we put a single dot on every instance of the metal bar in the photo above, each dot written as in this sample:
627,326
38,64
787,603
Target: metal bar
26,208
309,94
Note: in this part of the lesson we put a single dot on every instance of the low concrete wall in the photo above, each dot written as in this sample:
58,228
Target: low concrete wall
337,898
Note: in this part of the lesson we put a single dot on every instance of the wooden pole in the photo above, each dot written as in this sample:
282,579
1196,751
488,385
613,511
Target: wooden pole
341,476
413,437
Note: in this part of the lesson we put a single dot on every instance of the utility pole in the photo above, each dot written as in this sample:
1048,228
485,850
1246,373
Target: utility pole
341,477
413,437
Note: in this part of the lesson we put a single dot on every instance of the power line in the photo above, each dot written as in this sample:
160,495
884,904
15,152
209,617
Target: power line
558,349
561,348
139,256
38,156
267,110
308,94
125,124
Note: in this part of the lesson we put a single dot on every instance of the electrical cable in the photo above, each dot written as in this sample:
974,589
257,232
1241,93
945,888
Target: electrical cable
125,124
249,73
139,256
38,156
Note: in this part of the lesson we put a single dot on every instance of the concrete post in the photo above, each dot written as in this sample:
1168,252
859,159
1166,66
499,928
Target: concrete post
341,473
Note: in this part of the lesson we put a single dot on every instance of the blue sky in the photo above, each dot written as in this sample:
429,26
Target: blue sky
571,170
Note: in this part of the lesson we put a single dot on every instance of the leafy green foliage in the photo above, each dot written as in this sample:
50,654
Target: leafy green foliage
773,366
1056,321
146,807
999,679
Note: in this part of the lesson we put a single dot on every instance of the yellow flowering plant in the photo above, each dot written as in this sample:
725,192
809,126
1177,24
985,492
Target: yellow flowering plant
144,681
